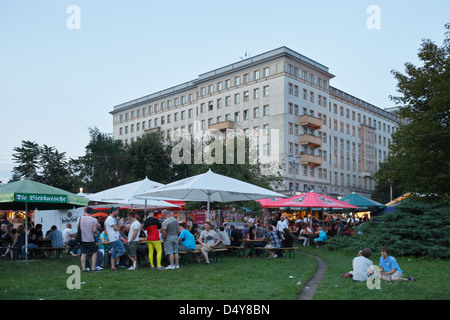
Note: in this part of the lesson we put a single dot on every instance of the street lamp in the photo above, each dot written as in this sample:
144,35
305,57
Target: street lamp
294,162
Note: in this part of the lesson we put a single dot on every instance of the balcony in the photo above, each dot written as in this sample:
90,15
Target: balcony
310,160
310,121
222,126
310,140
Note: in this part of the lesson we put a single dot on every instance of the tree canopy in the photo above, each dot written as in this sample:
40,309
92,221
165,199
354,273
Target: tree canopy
420,149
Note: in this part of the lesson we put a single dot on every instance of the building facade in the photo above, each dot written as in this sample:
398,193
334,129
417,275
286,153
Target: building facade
326,140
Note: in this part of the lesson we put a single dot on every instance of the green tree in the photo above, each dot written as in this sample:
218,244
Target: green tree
102,167
27,158
420,149
56,170
148,157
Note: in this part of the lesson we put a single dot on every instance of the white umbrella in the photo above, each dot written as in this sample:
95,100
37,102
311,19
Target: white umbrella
126,194
213,187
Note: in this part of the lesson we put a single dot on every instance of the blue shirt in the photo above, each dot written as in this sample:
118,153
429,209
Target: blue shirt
188,239
389,264
56,237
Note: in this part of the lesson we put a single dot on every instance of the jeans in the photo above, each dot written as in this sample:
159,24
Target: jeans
30,246
118,249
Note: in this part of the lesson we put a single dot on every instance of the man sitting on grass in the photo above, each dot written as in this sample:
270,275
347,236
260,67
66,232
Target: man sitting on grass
389,268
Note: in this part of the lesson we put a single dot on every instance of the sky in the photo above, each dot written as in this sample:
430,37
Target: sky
63,70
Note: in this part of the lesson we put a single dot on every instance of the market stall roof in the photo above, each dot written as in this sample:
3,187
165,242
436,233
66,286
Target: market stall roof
270,202
315,200
397,200
126,194
211,187
31,195
362,202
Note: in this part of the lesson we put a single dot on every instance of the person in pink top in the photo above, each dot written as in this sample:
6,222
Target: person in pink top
88,226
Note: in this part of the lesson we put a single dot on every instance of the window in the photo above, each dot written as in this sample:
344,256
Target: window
227,101
246,78
256,75
246,96
266,72
237,81
245,114
256,93
265,110
211,88
256,112
237,98
219,86
266,91
227,83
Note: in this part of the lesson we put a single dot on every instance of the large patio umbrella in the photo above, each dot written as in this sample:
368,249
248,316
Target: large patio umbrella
270,202
30,195
126,194
362,202
315,200
212,187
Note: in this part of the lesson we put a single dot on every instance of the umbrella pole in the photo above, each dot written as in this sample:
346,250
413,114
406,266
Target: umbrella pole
207,212
310,218
26,230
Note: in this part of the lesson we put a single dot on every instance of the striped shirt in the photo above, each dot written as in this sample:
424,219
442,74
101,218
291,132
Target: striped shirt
87,228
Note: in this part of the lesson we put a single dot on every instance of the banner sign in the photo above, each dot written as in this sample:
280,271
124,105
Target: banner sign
47,198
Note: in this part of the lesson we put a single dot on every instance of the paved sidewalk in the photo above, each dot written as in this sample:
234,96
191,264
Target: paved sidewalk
310,287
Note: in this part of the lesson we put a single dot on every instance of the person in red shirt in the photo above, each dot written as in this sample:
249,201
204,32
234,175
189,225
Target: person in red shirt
152,226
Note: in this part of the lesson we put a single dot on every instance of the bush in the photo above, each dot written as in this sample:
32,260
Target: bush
414,229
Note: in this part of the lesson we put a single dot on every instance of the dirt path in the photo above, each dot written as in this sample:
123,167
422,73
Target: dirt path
310,287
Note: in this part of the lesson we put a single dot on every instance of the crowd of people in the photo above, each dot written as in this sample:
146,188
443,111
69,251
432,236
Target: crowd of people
12,240
133,240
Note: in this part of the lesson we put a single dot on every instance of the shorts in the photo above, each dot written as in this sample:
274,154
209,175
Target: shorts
206,248
88,247
118,249
395,276
184,248
132,248
171,245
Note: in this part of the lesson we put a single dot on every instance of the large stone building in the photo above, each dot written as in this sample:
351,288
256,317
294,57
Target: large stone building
327,140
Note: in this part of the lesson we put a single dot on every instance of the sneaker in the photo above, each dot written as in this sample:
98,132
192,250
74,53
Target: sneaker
169,268
132,268
177,267
98,268
159,268
412,279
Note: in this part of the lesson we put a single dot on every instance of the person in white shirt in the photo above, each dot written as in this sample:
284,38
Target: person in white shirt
282,223
361,264
112,228
133,240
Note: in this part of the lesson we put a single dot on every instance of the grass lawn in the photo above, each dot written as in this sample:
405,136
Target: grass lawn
233,278
432,274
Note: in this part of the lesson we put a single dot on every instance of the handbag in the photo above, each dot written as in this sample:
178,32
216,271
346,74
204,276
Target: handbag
78,236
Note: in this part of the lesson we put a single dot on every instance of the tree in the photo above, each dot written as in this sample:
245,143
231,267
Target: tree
420,149
102,167
148,157
27,157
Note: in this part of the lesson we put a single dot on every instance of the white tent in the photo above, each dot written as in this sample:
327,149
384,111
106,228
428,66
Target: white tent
213,187
126,195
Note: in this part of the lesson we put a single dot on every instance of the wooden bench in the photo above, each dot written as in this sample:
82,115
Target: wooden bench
216,253
265,249
238,249
53,250
12,253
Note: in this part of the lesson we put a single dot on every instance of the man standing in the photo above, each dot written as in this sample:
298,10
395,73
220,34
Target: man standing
88,226
112,229
169,230
133,239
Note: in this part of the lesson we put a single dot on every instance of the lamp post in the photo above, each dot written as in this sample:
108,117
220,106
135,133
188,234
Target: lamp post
294,162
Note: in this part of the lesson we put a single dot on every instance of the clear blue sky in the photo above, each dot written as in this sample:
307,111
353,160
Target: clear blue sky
56,82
